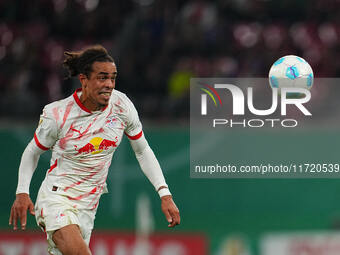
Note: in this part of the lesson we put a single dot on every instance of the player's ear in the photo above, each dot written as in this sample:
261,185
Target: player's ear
82,79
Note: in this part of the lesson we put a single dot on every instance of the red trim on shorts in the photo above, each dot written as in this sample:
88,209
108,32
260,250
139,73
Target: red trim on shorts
43,228
80,104
39,144
135,137
53,166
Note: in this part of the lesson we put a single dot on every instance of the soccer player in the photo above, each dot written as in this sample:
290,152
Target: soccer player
83,131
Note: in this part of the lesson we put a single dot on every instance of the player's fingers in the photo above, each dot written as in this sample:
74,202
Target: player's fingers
177,217
11,217
172,224
174,212
31,209
19,212
174,221
167,216
23,219
15,218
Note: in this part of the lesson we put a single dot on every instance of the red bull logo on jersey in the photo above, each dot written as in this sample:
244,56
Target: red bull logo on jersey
97,145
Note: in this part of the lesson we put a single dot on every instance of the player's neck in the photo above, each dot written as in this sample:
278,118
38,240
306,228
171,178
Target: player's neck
89,103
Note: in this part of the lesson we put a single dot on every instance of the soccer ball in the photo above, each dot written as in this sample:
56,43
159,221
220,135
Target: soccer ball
291,71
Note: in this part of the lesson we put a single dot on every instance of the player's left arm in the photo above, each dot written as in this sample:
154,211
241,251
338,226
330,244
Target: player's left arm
151,168
149,164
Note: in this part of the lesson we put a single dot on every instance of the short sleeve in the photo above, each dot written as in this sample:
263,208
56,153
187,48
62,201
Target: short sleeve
45,135
133,128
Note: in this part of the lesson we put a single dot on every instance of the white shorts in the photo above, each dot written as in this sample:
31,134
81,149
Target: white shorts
54,211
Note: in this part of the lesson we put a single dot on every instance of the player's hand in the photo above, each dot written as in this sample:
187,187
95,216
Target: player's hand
19,209
170,211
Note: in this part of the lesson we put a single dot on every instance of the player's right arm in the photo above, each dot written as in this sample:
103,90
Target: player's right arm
44,137
23,202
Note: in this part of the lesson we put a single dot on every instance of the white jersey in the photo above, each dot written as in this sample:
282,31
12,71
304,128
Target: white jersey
83,143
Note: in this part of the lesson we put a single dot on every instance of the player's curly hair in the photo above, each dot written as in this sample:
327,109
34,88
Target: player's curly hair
77,62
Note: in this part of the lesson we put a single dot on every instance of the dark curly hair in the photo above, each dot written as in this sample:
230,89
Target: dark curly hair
77,62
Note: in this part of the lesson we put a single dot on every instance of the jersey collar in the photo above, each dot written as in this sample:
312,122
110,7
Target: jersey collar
80,104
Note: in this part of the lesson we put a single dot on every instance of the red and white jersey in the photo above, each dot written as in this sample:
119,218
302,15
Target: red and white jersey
83,143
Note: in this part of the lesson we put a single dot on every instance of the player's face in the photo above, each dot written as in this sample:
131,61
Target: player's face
99,86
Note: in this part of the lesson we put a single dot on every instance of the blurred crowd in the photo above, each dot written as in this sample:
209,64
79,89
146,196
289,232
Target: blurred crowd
158,45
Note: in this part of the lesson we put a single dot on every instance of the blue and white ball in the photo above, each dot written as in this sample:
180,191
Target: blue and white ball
291,71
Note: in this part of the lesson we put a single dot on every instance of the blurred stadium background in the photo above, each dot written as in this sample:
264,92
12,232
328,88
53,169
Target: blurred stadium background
158,46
